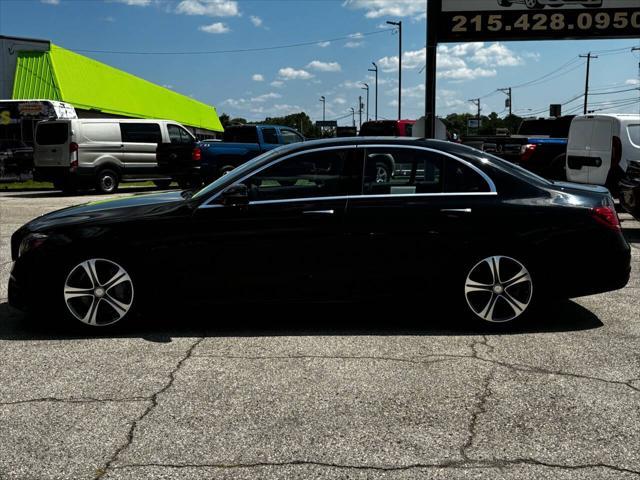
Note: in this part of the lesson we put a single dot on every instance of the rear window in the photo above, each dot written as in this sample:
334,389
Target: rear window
141,132
52,133
241,135
552,127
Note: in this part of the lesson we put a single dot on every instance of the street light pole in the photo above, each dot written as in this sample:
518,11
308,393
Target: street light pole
353,116
366,87
399,25
324,102
375,69
360,111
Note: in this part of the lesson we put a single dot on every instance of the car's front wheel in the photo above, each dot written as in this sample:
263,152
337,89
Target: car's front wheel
498,289
98,292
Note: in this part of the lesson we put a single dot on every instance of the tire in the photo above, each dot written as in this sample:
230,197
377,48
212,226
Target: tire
107,181
162,184
97,292
498,289
383,172
226,169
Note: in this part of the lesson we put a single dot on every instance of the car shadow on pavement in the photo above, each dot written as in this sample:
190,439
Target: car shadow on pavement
299,319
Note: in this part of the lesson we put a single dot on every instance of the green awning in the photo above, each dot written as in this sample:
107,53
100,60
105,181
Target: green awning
91,85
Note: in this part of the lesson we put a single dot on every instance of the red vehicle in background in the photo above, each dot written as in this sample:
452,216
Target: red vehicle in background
387,128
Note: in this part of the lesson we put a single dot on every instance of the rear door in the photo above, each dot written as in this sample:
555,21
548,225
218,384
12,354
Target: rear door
601,150
52,144
409,230
579,150
140,141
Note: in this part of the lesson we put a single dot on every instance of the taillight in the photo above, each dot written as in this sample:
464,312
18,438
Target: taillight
606,216
616,152
526,151
73,156
196,155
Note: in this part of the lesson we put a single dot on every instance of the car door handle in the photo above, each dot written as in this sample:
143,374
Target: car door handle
455,210
319,212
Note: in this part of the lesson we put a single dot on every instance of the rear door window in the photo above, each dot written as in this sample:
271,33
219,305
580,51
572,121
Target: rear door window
459,178
141,132
179,136
289,136
52,133
402,171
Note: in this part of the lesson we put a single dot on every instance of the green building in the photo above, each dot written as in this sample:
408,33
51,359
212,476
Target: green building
38,69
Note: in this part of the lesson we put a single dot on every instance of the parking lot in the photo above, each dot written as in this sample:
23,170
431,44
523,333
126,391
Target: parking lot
321,391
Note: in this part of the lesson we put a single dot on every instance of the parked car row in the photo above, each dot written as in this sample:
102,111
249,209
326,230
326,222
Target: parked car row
479,234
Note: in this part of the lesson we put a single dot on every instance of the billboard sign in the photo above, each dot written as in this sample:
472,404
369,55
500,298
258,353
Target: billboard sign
482,20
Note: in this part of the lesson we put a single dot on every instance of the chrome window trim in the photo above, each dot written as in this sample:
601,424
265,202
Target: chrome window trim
486,178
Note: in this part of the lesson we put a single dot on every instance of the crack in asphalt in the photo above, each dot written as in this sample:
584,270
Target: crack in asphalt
76,400
153,403
437,358
481,407
453,464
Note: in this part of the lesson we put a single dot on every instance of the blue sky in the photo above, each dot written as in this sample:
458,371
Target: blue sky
272,83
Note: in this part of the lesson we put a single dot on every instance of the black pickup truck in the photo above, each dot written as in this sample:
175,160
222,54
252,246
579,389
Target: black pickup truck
539,146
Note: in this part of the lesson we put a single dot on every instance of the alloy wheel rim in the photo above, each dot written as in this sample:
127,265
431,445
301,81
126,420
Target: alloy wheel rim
381,175
498,289
107,183
98,292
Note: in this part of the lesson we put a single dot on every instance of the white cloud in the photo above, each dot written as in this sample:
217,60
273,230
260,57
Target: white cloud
265,97
214,28
339,101
632,81
52,2
277,83
211,8
353,44
281,107
257,21
256,77
388,8
289,73
324,66
324,44
454,61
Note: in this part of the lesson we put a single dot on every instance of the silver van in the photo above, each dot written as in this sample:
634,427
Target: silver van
103,152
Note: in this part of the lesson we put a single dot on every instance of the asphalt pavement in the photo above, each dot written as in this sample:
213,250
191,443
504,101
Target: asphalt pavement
321,391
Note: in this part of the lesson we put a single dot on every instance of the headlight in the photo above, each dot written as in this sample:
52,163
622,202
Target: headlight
31,241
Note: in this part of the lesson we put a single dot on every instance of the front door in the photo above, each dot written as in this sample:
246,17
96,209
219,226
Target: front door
288,241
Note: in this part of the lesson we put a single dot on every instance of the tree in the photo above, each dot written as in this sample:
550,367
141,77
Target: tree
225,120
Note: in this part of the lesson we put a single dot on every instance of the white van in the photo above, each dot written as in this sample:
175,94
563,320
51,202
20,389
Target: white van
103,152
601,147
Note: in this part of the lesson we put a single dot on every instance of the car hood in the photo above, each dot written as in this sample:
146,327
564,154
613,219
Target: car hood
118,209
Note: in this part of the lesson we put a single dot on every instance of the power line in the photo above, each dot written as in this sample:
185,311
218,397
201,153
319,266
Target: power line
239,50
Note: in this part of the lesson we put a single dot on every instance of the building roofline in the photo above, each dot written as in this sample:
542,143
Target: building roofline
25,39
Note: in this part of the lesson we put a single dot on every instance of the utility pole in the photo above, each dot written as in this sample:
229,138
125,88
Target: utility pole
353,116
375,69
360,111
507,91
366,87
476,102
324,102
588,56
399,25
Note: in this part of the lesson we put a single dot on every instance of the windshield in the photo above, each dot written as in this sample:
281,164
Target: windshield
238,173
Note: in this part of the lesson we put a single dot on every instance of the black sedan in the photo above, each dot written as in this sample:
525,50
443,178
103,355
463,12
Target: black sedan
315,221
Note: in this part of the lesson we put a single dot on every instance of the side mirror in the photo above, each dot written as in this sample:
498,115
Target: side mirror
235,195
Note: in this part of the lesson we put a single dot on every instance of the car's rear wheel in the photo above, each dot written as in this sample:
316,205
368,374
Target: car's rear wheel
532,3
383,172
498,289
98,292
107,181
